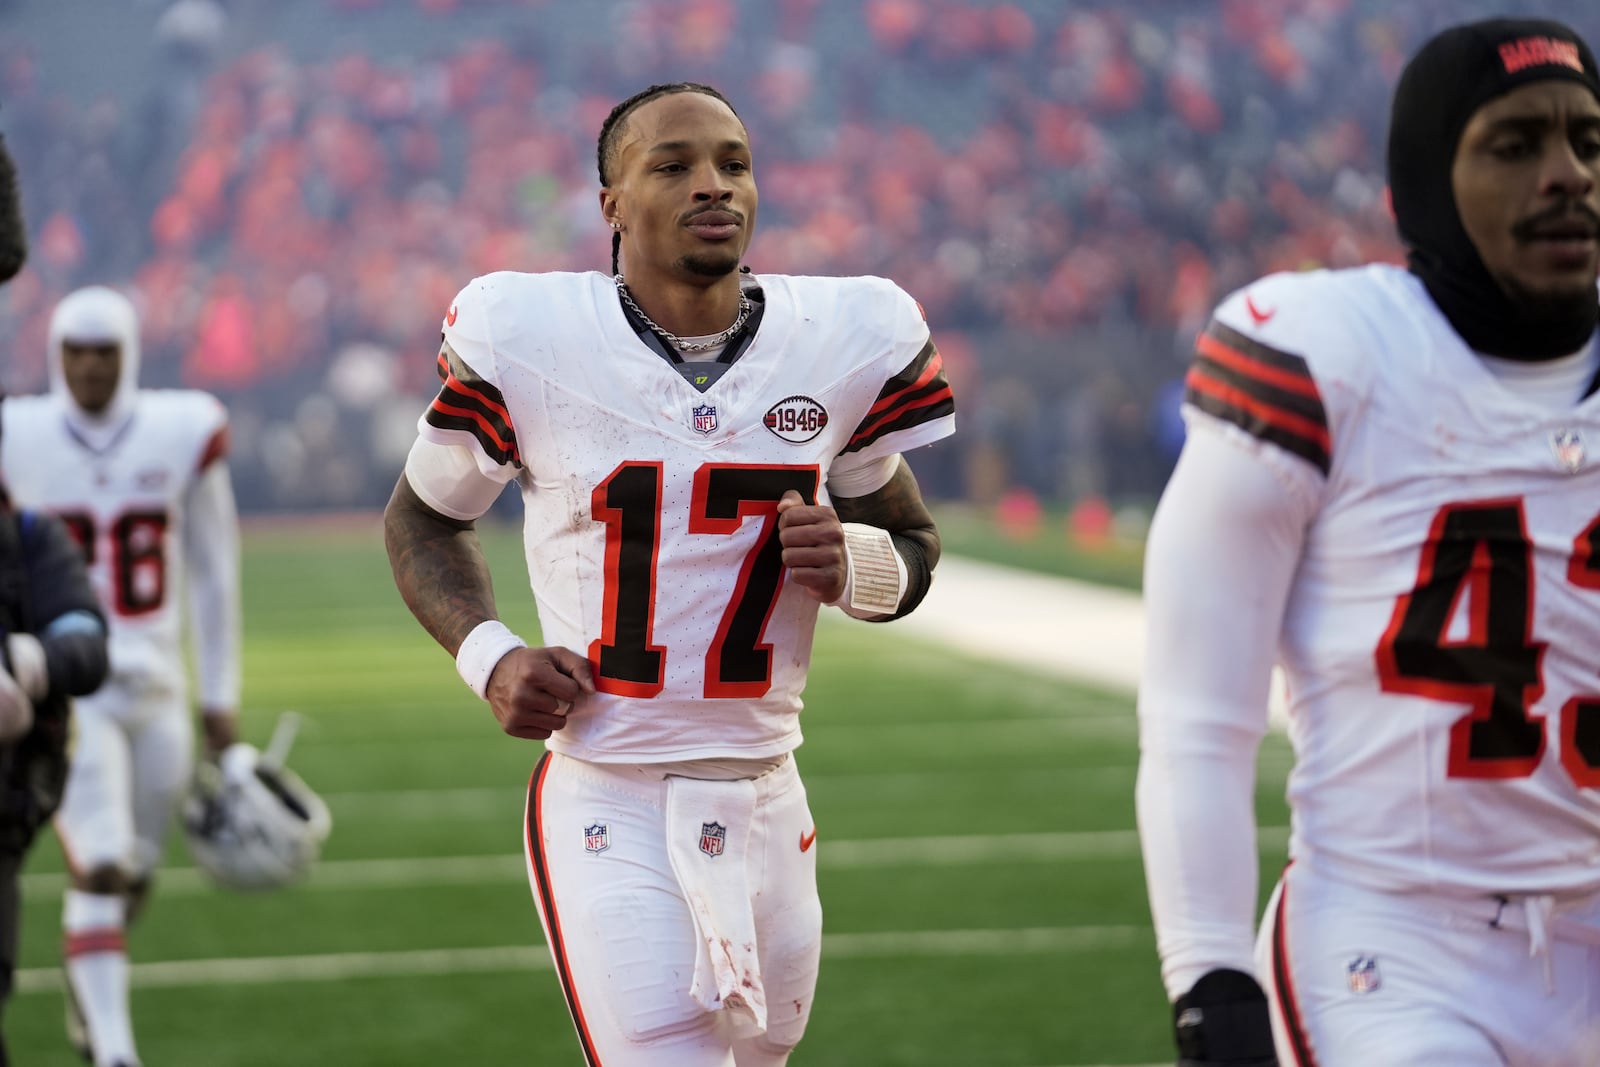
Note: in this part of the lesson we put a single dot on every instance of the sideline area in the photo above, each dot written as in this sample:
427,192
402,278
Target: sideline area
1059,626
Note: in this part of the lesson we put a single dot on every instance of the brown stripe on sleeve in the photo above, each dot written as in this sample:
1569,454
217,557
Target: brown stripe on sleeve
1266,392
920,393
468,403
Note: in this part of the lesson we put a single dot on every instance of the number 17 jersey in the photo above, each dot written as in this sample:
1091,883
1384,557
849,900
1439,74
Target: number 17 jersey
651,507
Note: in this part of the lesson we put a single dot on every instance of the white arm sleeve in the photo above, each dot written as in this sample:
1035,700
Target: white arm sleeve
850,476
450,479
211,549
1221,555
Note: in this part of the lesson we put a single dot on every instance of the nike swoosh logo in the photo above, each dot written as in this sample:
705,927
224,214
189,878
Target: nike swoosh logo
1260,317
450,319
807,839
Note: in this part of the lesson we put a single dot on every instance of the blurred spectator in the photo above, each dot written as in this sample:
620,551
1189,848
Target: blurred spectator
1071,186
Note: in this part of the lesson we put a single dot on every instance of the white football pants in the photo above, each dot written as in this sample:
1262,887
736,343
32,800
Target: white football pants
1360,978
682,915
131,758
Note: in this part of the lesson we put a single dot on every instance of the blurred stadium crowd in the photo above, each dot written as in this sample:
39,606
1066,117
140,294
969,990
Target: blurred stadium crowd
294,190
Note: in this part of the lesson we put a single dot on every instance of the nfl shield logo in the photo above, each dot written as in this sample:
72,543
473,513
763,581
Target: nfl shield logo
1568,447
705,418
596,838
1362,974
712,835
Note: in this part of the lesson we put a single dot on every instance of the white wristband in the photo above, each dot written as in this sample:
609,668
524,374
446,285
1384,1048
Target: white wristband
875,575
484,648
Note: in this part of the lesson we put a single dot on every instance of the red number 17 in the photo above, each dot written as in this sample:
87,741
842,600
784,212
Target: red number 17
628,501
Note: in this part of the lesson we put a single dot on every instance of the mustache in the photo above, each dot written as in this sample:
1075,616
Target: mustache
721,209
1528,229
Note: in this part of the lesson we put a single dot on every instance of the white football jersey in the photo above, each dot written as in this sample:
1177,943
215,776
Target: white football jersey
1441,632
651,525
125,504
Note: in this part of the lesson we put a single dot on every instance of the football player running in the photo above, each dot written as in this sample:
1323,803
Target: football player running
1392,486
139,477
707,457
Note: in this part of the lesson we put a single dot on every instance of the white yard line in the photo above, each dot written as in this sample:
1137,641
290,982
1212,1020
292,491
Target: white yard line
343,965
435,805
862,854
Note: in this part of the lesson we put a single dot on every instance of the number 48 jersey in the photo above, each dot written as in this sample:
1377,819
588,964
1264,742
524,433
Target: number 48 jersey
650,507
1441,639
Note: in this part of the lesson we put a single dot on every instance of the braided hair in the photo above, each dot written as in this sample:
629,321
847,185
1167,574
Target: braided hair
610,130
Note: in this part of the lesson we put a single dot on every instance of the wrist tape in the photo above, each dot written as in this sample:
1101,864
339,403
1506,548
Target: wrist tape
875,574
484,648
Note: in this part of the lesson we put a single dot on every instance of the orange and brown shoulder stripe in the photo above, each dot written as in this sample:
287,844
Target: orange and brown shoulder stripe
468,403
920,393
1265,391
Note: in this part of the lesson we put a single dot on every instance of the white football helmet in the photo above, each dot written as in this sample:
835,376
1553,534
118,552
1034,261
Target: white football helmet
249,821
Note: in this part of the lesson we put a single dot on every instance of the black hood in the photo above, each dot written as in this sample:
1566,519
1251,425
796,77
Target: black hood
1445,83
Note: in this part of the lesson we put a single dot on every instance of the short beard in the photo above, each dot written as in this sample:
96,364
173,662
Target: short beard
1562,304
708,267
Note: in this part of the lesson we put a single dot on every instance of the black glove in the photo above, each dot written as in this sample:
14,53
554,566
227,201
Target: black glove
1224,1020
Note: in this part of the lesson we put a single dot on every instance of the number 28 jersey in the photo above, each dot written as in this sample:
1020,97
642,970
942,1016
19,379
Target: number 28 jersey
1441,639
650,507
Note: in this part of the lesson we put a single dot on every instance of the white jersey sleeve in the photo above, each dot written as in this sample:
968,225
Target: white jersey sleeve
470,409
915,405
211,549
449,480
466,450
1223,545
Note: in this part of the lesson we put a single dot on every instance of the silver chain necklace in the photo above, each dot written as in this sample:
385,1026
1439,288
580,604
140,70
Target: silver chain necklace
673,339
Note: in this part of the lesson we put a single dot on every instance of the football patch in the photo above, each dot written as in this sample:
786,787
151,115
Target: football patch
1362,975
1567,444
796,419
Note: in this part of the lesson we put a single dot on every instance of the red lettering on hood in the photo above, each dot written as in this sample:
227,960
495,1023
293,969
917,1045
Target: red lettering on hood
1528,52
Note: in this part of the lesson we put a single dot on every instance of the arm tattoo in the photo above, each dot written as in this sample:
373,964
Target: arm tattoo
438,566
898,508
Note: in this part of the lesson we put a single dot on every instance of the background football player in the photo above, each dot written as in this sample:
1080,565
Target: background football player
1392,485
706,458
52,648
139,476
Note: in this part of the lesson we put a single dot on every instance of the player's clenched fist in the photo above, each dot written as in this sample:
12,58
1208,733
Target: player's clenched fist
532,689
813,547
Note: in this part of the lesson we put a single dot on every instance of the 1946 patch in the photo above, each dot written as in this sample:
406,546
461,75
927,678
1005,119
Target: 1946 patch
796,419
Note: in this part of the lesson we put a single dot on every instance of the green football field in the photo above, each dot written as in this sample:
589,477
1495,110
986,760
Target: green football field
982,890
